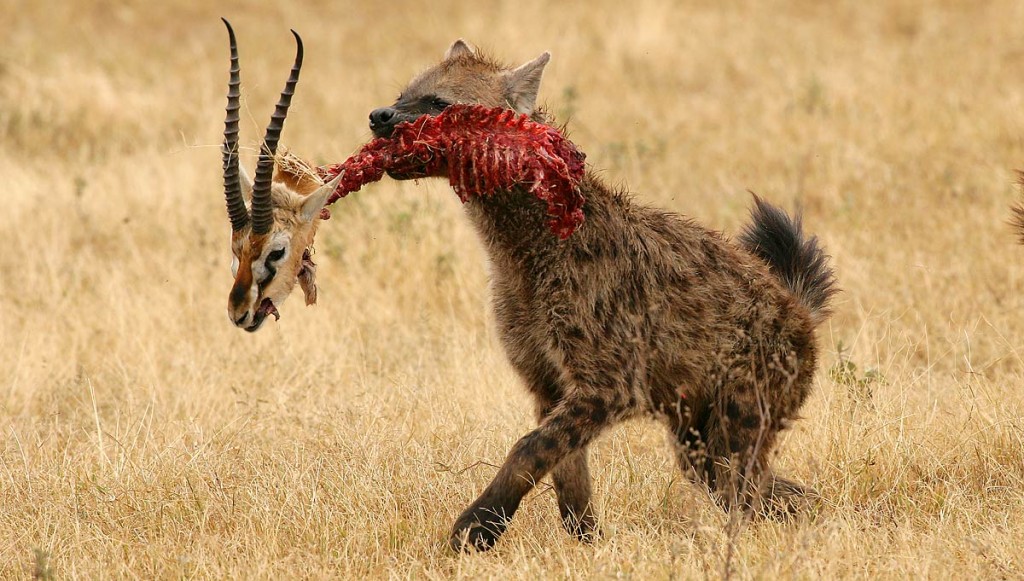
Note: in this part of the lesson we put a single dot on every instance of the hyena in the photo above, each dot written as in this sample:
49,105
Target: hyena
640,312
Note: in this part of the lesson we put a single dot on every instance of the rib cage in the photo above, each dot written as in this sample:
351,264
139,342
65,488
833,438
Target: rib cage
481,150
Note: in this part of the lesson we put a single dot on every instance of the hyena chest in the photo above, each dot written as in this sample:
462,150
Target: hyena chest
561,339
524,326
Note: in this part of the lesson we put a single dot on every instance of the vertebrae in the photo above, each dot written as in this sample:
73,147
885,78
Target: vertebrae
481,151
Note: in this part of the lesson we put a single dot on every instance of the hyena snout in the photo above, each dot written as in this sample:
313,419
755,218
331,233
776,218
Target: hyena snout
383,121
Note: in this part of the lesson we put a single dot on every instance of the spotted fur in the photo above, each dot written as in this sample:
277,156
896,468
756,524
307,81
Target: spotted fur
640,312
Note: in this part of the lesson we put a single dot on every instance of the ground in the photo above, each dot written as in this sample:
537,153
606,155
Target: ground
143,436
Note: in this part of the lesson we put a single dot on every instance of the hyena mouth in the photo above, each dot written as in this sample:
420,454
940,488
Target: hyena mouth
408,175
266,308
386,133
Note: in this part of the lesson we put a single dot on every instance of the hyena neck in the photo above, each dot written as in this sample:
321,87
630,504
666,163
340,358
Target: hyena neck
514,225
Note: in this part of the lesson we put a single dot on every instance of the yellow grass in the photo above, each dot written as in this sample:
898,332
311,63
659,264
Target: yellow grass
142,436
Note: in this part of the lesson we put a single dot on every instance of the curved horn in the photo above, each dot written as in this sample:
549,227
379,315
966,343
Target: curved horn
232,189
262,208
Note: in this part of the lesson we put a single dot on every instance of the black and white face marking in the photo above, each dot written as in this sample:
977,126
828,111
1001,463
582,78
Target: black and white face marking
264,268
265,280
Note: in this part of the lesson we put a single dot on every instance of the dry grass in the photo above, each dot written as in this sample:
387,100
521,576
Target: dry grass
144,437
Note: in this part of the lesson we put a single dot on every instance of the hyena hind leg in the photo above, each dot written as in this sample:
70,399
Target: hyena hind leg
729,451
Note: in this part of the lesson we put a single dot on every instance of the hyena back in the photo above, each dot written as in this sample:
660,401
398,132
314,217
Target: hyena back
640,312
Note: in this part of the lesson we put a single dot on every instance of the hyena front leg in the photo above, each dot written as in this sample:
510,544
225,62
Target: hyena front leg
572,483
562,435
573,488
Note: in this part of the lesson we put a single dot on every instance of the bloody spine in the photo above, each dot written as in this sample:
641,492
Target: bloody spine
481,150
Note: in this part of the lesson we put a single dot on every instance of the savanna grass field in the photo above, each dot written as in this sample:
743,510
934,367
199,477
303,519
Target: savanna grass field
143,436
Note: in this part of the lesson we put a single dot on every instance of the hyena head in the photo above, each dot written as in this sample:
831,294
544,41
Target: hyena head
463,76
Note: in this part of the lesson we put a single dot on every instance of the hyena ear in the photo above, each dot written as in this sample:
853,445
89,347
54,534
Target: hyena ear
314,202
523,83
457,49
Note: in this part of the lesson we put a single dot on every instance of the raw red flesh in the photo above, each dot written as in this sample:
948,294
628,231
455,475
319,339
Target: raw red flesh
481,151
267,308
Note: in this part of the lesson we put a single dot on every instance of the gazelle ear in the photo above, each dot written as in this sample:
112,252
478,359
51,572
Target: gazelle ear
246,180
307,278
457,49
523,83
314,202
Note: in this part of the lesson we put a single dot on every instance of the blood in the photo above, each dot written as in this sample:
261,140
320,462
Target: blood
481,150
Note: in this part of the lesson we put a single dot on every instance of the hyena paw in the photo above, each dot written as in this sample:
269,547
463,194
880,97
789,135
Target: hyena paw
477,528
583,528
786,499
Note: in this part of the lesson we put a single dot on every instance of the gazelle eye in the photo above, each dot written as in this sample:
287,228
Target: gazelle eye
275,255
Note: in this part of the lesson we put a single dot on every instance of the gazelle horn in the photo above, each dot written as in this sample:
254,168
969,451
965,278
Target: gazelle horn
262,207
232,189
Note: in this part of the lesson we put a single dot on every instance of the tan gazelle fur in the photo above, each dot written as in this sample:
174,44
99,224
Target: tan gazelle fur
271,238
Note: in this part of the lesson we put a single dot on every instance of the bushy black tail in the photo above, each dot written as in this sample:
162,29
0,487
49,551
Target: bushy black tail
800,263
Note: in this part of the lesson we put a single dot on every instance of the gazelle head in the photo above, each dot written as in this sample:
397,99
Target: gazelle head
272,237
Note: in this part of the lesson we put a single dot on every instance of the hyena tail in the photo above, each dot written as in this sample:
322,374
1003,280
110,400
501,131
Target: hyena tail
799,262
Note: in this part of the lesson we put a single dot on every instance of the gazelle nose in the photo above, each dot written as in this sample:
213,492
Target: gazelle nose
241,321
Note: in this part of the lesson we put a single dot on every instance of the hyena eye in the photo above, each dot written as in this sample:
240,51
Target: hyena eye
275,255
439,103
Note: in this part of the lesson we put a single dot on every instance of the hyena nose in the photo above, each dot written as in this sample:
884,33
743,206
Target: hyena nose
380,118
